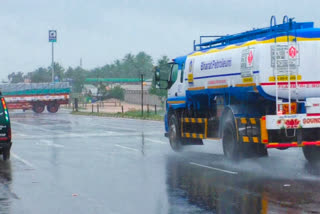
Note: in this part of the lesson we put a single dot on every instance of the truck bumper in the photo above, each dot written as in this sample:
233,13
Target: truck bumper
295,130
292,121
5,145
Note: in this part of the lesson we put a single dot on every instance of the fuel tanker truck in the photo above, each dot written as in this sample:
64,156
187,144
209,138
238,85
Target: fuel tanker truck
253,91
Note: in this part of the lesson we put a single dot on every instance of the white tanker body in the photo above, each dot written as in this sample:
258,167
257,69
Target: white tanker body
255,90
252,63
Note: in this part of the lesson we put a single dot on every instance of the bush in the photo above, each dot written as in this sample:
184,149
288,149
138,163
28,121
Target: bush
117,92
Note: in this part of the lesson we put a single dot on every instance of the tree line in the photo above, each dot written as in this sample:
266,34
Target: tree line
131,66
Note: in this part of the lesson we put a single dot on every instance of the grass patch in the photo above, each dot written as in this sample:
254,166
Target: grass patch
129,114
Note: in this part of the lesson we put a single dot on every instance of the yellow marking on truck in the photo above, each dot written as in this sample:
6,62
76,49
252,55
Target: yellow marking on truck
193,120
244,120
205,128
190,77
177,102
263,130
217,86
247,79
245,85
264,204
201,136
285,78
253,121
194,135
196,88
245,139
187,134
255,139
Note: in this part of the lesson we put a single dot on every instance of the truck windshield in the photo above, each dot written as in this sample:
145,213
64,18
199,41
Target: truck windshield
174,72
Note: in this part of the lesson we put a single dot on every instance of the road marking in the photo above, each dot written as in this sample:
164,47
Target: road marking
155,141
82,135
22,160
217,169
50,143
34,126
129,148
121,128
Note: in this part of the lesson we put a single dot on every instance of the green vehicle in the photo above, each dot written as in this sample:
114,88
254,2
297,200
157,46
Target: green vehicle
5,130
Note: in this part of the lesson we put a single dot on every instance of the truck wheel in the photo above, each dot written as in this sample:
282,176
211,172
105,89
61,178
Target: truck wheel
231,146
254,150
261,150
6,154
38,108
175,134
53,107
311,153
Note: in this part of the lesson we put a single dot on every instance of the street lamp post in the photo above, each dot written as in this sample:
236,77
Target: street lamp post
52,39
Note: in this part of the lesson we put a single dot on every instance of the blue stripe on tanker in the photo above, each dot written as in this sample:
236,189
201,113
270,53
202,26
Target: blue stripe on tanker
221,75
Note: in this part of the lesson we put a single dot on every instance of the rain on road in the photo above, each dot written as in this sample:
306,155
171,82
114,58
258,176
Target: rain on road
62,163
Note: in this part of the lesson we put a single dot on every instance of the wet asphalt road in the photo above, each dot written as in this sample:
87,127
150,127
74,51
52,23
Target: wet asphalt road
63,163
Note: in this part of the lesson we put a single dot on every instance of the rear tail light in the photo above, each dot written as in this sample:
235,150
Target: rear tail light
5,109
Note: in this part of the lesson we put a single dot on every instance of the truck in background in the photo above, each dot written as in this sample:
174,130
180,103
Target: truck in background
36,96
254,91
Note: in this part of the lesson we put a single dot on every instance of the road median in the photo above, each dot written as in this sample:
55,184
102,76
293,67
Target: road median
129,114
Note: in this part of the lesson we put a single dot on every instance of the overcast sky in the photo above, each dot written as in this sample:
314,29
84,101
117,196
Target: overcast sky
101,31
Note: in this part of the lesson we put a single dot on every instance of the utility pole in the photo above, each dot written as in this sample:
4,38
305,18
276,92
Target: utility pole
81,62
142,95
52,63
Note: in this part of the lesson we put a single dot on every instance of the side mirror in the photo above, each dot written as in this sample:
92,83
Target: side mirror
157,74
161,83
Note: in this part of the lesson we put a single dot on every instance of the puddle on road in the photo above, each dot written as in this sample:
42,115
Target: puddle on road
6,194
218,192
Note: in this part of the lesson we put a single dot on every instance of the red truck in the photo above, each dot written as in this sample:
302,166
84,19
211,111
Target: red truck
36,96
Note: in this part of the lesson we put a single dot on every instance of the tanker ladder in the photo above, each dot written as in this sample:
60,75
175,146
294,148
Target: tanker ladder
285,71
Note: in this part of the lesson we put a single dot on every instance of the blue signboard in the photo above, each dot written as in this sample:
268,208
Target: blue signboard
52,36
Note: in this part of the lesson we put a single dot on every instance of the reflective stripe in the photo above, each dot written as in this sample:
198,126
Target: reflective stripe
177,102
253,121
196,88
217,86
246,85
243,120
263,130
245,139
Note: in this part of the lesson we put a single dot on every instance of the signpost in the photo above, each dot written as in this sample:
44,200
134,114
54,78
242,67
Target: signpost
52,39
